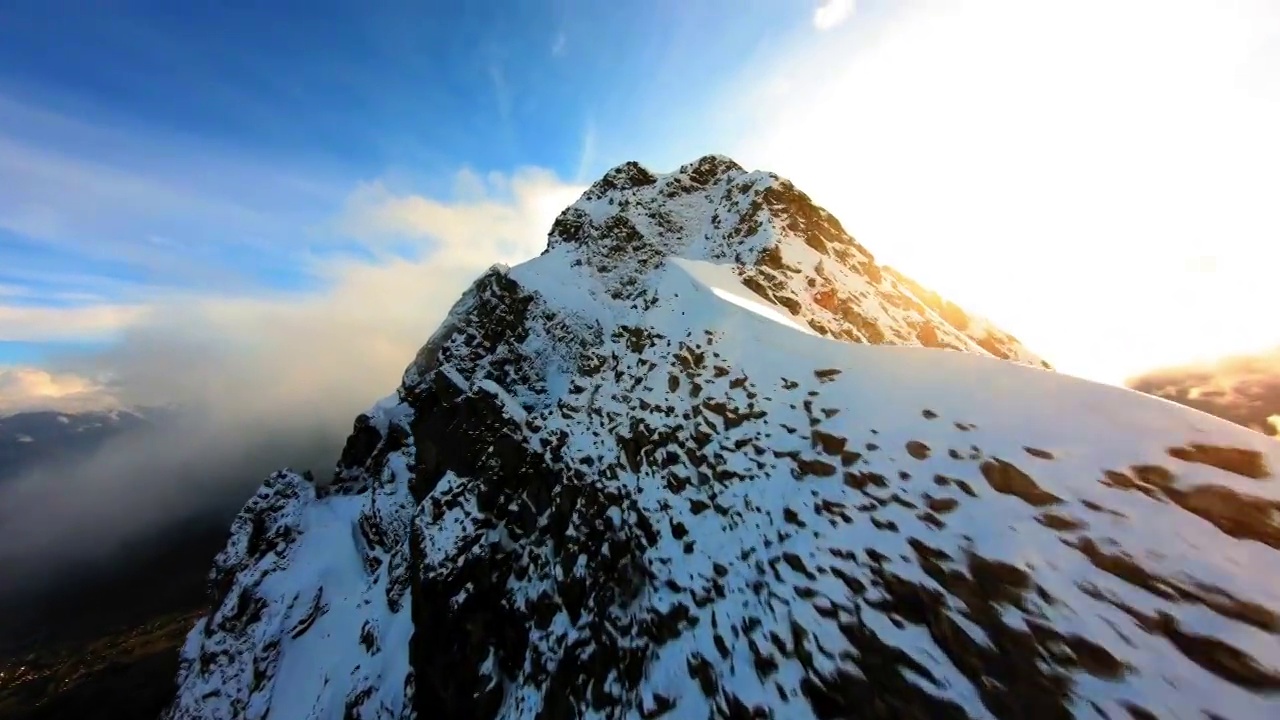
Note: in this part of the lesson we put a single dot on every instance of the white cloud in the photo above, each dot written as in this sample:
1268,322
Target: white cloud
34,323
27,388
832,13
1057,167
558,45
499,218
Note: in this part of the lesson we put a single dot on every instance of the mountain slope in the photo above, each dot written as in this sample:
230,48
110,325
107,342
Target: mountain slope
645,475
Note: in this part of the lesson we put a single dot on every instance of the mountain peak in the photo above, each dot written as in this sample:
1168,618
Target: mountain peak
626,176
710,169
704,171
787,250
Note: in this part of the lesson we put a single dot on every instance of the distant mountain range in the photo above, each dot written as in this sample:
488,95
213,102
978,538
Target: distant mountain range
1244,389
28,439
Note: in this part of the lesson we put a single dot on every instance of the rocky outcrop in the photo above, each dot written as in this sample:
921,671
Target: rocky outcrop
630,220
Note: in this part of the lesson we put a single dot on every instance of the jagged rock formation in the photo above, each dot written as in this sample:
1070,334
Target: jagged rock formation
785,249
674,468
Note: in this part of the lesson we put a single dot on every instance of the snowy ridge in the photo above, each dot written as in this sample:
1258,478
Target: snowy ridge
311,617
651,474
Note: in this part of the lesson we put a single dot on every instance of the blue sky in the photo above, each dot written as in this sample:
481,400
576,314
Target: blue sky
156,146
345,89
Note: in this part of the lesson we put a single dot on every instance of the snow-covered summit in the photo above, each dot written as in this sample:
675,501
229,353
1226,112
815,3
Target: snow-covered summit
647,475
787,250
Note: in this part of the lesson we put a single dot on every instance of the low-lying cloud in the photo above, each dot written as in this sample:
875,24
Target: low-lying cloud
262,381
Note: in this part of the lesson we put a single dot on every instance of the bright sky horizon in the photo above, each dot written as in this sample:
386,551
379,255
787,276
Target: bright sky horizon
1101,179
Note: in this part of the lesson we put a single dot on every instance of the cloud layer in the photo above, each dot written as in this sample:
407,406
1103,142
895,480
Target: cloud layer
263,381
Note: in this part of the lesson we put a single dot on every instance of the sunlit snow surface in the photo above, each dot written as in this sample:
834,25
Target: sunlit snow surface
308,627
957,533
880,397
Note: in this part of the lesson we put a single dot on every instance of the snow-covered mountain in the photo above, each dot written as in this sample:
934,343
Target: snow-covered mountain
34,437
693,461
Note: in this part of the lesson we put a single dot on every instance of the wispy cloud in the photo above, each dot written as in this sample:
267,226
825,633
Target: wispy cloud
269,379
501,91
558,45
833,13
61,197
102,193
14,291
58,287
36,323
493,220
587,154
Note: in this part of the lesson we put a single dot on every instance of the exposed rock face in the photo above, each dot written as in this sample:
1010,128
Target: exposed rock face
639,476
